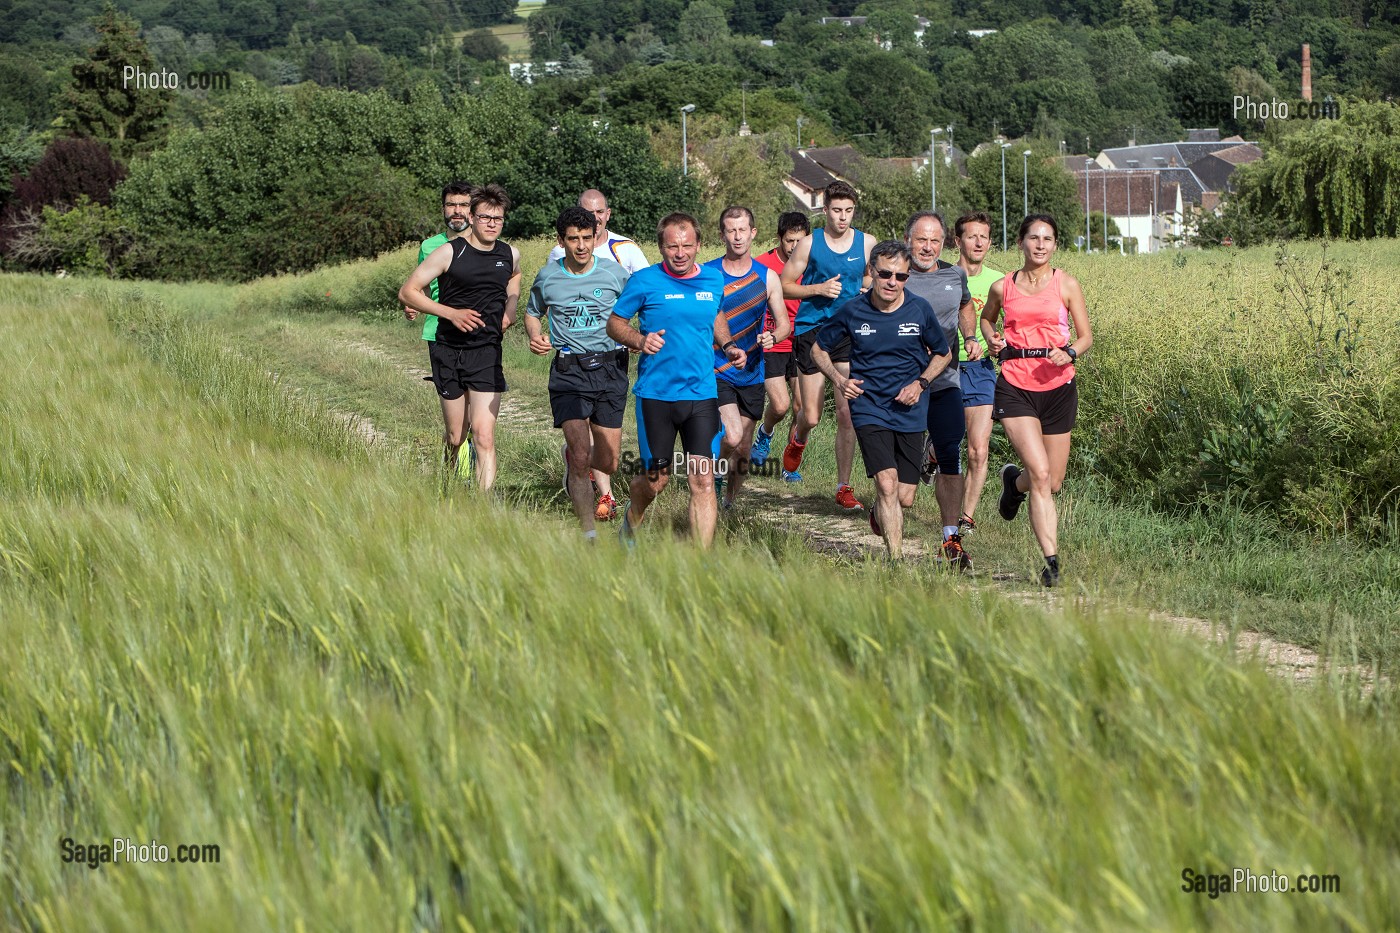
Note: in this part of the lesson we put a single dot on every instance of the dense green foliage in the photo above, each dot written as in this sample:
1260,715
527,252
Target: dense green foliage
102,102
258,189
1336,178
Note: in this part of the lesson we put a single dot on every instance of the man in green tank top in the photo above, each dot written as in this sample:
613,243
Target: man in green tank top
973,235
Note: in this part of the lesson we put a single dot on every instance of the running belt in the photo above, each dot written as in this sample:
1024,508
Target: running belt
1026,353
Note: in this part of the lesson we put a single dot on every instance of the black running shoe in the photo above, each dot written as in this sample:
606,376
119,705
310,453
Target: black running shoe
1049,576
1011,499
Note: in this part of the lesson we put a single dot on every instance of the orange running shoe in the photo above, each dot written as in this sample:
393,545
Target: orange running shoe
846,498
952,552
792,455
606,510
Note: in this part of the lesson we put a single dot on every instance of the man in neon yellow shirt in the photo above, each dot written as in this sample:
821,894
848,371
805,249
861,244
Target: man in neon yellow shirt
973,235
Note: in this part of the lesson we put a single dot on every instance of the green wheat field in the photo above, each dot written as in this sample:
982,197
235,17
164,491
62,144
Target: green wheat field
242,607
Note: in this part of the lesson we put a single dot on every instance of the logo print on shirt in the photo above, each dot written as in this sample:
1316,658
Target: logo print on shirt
669,297
909,330
597,293
704,296
865,330
852,258
499,263
947,288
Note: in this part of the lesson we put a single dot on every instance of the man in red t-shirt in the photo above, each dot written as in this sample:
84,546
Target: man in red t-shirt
780,370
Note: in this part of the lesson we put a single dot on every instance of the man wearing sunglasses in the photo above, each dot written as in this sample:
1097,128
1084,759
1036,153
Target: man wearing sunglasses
897,347
479,286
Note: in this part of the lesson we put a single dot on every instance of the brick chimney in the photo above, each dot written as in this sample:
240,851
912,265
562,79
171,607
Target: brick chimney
1307,72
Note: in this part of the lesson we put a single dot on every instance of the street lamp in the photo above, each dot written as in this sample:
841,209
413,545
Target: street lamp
1088,234
1004,147
1025,184
933,168
685,158
1122,246
1105,210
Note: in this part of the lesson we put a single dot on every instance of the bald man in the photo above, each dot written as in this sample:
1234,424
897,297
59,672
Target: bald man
608,244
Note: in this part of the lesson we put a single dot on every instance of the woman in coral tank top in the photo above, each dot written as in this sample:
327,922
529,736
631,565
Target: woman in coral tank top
1036,396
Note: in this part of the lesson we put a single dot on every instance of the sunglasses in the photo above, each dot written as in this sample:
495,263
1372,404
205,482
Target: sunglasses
890,273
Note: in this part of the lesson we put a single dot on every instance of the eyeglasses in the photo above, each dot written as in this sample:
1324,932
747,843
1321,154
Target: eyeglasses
891,274
491,220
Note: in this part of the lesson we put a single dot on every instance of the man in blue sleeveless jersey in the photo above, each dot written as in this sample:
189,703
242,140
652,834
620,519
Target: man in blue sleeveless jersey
479,285
825,271
680,318
752,291
588,377
897,348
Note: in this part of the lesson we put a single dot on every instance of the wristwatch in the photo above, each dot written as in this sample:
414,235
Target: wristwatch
1072,354
728,345
923,383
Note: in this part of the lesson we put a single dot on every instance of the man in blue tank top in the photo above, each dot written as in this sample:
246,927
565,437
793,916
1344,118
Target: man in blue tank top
827,269
752,291
680,321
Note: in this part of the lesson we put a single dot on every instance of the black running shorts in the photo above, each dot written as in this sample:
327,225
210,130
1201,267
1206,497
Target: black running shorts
1056,409
455,370
598,396
659,423
802,351
749,398
779,365
884,449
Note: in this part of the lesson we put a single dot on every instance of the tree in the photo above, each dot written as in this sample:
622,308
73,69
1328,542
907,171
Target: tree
484,46
1338,178
554,164
70,170
745,170
104,104
888,195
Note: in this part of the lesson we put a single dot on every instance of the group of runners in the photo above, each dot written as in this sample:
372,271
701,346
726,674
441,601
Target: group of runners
725,349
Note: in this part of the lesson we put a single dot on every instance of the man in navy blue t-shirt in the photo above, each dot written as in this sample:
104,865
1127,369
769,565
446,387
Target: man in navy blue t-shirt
680,321
896,348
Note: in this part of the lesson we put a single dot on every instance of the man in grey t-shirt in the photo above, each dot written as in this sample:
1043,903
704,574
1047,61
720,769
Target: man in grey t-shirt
944,286
588,377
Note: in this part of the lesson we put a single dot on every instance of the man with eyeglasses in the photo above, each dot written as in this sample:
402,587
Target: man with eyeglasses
897,347
479,286
606,244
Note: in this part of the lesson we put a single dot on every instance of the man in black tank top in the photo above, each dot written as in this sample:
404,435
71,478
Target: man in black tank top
478,287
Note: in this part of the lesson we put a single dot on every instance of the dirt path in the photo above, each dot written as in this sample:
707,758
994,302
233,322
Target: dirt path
850,537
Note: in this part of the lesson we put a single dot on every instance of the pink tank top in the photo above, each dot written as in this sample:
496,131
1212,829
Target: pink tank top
1039,320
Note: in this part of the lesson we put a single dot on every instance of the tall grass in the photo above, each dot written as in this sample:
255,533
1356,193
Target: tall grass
395,710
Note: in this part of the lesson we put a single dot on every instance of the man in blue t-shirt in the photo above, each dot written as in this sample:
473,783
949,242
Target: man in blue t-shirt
588,376
680,321
752,292
897,347
825,271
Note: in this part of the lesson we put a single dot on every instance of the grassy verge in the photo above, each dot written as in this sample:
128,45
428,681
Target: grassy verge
337,335
391,709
